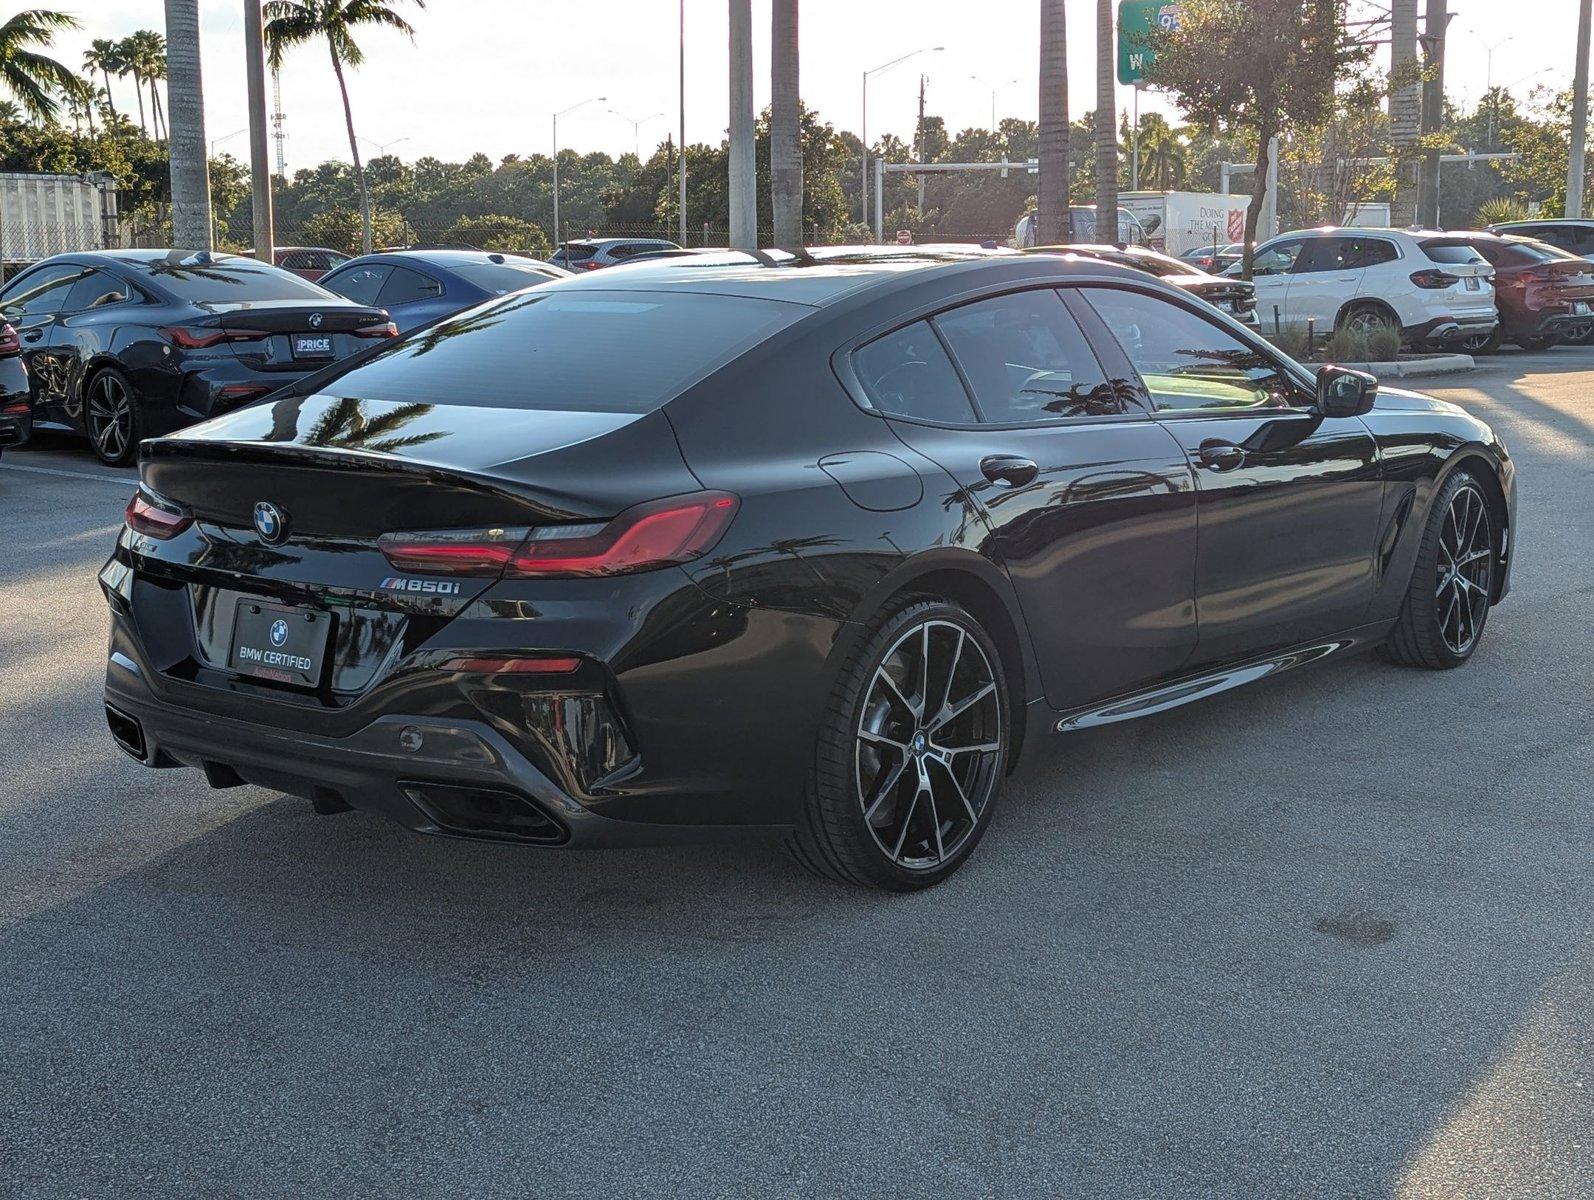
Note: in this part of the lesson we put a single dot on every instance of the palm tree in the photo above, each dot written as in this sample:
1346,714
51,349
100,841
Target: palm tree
785,127
1162,153
292,23
148,54
10,113
1106,128
127,54
27,74
1052,223
102,56
192,219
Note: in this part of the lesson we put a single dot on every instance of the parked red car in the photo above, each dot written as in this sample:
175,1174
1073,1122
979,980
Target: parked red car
309,262
1545,294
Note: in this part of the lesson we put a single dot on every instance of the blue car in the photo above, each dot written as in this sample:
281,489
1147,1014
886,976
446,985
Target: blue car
419,286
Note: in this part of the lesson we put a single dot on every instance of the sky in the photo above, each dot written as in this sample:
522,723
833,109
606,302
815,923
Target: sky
487,75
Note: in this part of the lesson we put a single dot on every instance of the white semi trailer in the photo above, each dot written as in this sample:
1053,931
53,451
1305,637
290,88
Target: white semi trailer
41,215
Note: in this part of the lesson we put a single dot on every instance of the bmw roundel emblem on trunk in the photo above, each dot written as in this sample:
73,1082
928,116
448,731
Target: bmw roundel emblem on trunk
315,320
271,523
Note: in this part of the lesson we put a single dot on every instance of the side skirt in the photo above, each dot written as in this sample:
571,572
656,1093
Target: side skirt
1211,683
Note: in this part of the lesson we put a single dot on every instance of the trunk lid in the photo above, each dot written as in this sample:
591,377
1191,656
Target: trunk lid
297,335
337,473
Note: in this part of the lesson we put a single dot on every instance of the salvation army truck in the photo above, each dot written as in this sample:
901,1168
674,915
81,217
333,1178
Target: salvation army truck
1179,221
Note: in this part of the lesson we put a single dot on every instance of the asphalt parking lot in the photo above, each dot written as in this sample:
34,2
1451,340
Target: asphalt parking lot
1330,935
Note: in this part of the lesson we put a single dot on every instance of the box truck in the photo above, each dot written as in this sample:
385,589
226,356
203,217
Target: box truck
41,215
1179,221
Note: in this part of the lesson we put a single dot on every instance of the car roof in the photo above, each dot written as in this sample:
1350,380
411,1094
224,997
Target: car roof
600,242
821,281
1544,221
449,258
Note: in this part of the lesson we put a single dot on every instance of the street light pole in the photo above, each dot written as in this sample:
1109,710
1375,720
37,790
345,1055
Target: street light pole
556,116
1488,86
636,124
994,90
865,123
681,80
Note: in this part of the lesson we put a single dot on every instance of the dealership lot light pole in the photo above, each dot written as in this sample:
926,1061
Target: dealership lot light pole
556,116
864,125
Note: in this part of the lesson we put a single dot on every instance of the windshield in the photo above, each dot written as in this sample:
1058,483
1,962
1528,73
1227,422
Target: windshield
230,280
571,351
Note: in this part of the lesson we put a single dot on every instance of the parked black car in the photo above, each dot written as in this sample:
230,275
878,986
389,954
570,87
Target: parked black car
815,548
1237,297
419,286
16,407
127,344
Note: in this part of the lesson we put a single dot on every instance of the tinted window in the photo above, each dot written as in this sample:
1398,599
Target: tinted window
1026,360
577,253
39,292
296,260
1375,251
1451,252
1344,254
229,280
908,373
405,286
1186,361
498,278
95,290
585,351
1277,258
360,284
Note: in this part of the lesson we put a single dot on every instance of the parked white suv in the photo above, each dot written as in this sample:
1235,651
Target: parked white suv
1432,287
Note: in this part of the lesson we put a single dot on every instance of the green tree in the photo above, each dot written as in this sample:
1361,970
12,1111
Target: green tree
292,23
1256,65
341,229
498,232
26,73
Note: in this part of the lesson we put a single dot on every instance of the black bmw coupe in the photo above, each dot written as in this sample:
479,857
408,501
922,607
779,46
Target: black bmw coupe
815,546
121,345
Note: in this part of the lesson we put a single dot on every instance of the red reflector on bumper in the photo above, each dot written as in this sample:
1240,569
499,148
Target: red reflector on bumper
513,666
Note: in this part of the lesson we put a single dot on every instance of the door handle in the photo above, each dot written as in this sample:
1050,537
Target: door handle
1008,470
1220,456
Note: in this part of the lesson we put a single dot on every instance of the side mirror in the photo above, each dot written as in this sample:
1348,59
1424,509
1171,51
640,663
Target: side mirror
1342,392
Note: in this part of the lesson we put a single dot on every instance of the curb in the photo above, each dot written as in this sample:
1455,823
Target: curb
1439,364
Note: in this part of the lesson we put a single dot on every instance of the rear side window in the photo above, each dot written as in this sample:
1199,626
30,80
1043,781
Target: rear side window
1374,251
1026,360
570,351
405,286
230,280
908,374
578,253
1451,252
95,290
360,284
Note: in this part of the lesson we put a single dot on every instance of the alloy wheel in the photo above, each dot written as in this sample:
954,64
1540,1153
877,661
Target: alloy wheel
1466,569
110,417
929,744
1367,321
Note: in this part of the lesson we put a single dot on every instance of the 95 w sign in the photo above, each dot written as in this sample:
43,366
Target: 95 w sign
1136,20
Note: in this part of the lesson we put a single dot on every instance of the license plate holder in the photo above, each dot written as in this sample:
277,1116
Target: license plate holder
1580,308
286,643
1472,284
313,345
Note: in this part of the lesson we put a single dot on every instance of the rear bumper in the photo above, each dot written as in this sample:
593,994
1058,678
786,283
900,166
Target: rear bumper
15,429
406,767
1453,327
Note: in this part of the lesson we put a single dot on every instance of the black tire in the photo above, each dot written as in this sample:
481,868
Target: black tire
112,417
1368,316
1480,343
1447,605
870,726
1536,343
1579,335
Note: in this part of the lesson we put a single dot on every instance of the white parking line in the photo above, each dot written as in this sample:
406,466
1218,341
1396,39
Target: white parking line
125,481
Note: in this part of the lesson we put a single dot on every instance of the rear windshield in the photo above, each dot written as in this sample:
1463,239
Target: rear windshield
499,278
231,279
1451,252
578,253
559,350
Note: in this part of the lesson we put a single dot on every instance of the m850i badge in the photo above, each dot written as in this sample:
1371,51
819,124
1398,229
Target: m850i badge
429,587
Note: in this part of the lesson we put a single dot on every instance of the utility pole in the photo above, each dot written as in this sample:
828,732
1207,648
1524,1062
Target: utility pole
744,164
1405,105
1574,158
259,153
918,145
1433,105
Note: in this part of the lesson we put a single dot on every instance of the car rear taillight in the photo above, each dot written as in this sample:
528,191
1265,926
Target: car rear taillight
201,337
378,331
657,534
513,665
156,518
1434,279
17,408
9,342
